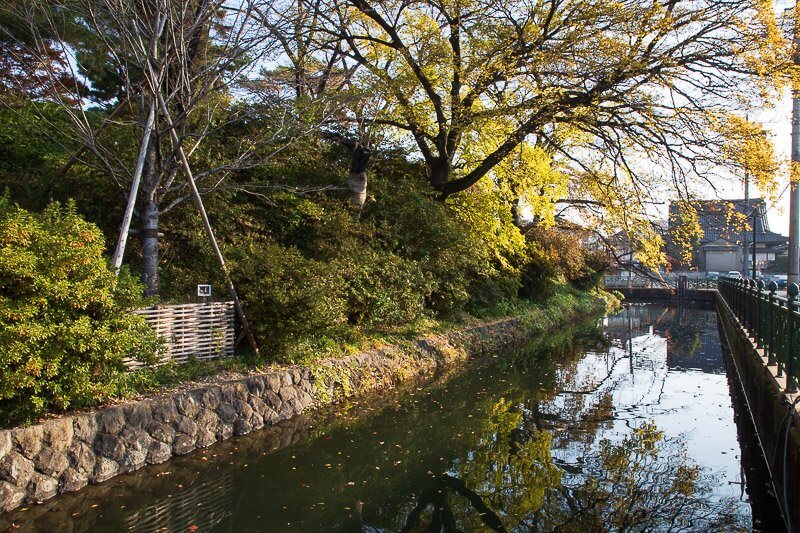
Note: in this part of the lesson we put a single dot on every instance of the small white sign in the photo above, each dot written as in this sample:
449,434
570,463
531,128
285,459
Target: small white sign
204,291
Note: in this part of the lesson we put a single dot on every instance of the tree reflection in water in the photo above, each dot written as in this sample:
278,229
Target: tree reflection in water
511,482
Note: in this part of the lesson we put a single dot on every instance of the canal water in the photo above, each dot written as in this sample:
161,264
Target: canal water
632,423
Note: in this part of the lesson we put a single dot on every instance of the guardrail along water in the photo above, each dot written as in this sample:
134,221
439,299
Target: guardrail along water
627,424
772,320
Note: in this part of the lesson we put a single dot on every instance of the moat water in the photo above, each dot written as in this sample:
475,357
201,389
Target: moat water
634,422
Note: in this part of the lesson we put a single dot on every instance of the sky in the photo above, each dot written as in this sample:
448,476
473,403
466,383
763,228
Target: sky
778,122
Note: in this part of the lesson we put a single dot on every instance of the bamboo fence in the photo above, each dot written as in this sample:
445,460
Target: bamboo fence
202,330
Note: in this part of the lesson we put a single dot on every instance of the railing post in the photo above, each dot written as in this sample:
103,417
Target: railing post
770,349
739,285
758,330
745,302
791,379
753,308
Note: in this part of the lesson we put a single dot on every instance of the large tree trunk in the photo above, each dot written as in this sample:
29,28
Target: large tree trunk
516,212
438,173
357,179
149,234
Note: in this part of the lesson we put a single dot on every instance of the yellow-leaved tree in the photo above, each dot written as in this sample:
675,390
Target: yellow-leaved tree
607,107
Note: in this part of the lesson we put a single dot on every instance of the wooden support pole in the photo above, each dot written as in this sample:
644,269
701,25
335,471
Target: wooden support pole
125,227
207,224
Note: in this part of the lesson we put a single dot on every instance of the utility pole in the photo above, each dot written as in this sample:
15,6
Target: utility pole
794,191
745,244
755,214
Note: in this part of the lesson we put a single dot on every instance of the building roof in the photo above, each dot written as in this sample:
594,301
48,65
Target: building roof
716,221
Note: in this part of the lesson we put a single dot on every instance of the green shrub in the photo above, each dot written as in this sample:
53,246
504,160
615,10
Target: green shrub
414,226
383,291
556,257
64,325
594,269
288,296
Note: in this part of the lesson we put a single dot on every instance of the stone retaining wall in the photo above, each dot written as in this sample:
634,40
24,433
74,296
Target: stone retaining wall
65,454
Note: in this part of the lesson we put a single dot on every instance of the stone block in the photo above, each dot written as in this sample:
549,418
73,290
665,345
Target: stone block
242,427
109,446
205,438
208,420
111,420
186,426
135,439
243,409
5,443
11,496
305,399
288,392
16,469
73,479
104,470
224,431
239,390
158,452
256,385
258,405
161,432
257,420
273,381
58,433
271,417
164,410
286,410
41,488
29,440
183,444
209,397
187,405
272,399
81,457
51,462
85,427
137,415
133,460
227,413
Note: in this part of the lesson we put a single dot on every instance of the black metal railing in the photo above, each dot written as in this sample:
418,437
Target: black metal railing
772,321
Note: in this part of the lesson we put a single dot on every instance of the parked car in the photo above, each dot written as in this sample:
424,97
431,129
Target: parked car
781,279
712,274
734,274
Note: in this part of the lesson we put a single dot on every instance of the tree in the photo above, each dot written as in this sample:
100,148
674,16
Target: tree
195,55
628,97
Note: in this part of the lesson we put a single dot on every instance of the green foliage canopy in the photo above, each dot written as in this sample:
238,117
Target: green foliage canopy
64,321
